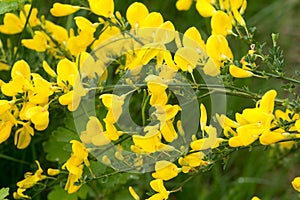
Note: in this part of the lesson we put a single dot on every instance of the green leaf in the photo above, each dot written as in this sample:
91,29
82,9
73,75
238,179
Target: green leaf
58,147
59,193
10,5
4,192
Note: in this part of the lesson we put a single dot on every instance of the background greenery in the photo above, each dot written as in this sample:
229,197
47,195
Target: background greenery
249,172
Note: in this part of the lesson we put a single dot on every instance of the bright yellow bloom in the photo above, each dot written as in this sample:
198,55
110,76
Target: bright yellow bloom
73,184
20,82
192,38
23,136
205,8
53,172
165,170
38,43
12,24
39,116
33,20
5,130
133,193
183,4
75,166
221,23
165,33
136,13
158,186
114,105
19,194
271,137
255,198
149,143
48,69
186,58
157,89
59,9
5,105
206,143
191,161
296,184
239,72
203,117
218,49
59,33
94,133
257,122
103,8
297,125
30,180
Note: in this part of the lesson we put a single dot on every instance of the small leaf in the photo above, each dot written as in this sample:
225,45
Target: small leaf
4,192
10,5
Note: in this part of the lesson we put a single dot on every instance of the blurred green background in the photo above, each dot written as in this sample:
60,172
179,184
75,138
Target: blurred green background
248,172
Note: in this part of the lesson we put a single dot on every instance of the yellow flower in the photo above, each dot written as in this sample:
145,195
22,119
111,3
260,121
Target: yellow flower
218,49
149,143
5,105
255,198
114,105
103,8
38,43
30,180
20,82
256,121
221,23
12,24
183,4
191,161
75,166
165,33
39,116
59,9
238,17
157,89
206,143
186,58
203,117
297,125
48,69
23,136
136,13
205,8
158,186
73,183
59,33
192,38
271,137
5,129
33,20
153,19
19,194
239,72
94,133
296,184
41,90
53,172
133,193
165,170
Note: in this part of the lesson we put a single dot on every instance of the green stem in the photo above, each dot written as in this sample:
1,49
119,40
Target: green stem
144,104
14,159
281,77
